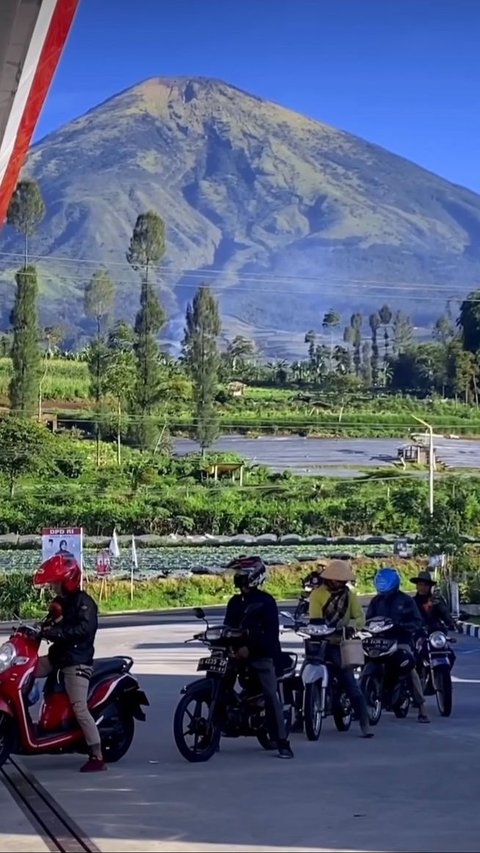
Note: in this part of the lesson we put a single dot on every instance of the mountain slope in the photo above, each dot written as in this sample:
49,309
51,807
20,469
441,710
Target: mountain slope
285,215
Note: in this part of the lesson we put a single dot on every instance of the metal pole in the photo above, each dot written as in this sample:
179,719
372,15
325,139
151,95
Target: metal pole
431,461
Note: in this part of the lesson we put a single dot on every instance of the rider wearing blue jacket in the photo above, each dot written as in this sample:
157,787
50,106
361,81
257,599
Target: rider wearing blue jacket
391,603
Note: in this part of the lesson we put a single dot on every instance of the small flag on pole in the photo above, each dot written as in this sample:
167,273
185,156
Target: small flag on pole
113,547
134,565
134,553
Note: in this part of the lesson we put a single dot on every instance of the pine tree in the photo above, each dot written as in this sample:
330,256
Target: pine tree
331,321
25,211
374,322
200,351
385,315
402,332
356,325
98,304
26,360
147,247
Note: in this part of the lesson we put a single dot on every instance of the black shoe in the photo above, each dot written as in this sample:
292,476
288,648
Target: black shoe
297,725
284,749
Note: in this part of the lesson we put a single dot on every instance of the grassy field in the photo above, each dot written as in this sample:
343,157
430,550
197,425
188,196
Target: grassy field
65,387
18,597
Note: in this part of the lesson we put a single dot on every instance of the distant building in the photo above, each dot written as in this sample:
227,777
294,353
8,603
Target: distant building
237,389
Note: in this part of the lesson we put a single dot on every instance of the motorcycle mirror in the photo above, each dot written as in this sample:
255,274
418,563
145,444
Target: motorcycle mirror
199,613
287,615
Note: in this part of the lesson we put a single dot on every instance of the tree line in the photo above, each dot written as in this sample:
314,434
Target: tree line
125,362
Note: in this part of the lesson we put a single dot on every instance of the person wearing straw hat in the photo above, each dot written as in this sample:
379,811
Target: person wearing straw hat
339,605
431,604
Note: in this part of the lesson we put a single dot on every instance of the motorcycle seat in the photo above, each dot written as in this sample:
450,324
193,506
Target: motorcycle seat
111,666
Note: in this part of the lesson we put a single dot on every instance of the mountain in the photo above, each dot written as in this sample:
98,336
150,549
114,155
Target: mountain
284,215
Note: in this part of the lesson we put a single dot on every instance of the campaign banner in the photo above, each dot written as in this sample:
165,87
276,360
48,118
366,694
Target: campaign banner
67,541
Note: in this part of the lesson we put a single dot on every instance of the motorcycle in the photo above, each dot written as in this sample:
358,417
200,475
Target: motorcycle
317,685
228,701
382,688
114,700
309,583
435,663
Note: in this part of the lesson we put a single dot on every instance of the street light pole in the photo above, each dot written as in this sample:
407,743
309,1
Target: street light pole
431,461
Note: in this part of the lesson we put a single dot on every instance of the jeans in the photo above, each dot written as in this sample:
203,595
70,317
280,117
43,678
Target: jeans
77,679
352,689
265,671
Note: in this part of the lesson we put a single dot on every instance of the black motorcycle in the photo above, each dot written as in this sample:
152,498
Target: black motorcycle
228,702
382,683
434,664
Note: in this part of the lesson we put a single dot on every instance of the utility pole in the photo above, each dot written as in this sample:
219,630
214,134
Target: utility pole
431,461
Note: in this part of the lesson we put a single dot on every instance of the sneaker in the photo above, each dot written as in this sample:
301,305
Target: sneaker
422,718
93,765
284,749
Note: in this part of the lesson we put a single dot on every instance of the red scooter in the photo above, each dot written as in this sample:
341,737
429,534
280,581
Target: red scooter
115,701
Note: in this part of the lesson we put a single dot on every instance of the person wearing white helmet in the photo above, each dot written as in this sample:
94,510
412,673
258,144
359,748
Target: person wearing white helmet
339,605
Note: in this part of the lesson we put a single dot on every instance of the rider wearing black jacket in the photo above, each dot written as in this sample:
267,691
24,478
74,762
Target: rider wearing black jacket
256,612
433,608
71,627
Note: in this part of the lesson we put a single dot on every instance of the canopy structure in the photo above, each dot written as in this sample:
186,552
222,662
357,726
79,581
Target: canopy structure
32,36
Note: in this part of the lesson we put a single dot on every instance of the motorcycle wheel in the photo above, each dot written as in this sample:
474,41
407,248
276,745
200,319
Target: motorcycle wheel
443,690
342,714
187,724
371,689
117,743
313,715
7,737
402,707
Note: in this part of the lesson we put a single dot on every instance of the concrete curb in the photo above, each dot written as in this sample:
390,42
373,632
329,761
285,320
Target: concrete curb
469,629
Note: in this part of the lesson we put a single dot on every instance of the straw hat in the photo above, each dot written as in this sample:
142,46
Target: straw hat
338,570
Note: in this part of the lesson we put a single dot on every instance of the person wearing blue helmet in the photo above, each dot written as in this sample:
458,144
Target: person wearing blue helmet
391,603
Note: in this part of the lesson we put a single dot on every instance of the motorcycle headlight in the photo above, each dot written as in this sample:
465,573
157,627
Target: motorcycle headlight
7,655
437,640
213,633
317,630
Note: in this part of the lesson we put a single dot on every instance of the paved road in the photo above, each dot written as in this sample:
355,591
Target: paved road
410,788
329,456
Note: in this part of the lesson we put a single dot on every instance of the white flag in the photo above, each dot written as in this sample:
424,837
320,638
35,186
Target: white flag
113,547
134,553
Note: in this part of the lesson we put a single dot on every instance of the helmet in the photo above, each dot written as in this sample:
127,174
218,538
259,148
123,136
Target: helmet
59,568
338,570
313,580
250,572
386,580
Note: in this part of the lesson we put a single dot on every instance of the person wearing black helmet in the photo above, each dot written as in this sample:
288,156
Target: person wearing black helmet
431,604
263,651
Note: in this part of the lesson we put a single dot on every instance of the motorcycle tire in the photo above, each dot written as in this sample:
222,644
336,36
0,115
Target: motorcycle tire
265,741
402,707
343,713
313,713
116,745
7,737
443,690
206,739
371,689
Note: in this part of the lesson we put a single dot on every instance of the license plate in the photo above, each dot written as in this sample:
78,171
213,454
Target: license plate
213,664
380,644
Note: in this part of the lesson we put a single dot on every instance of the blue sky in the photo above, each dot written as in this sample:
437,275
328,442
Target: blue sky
402,73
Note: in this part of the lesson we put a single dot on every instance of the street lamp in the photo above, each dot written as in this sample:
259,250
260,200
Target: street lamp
431,461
